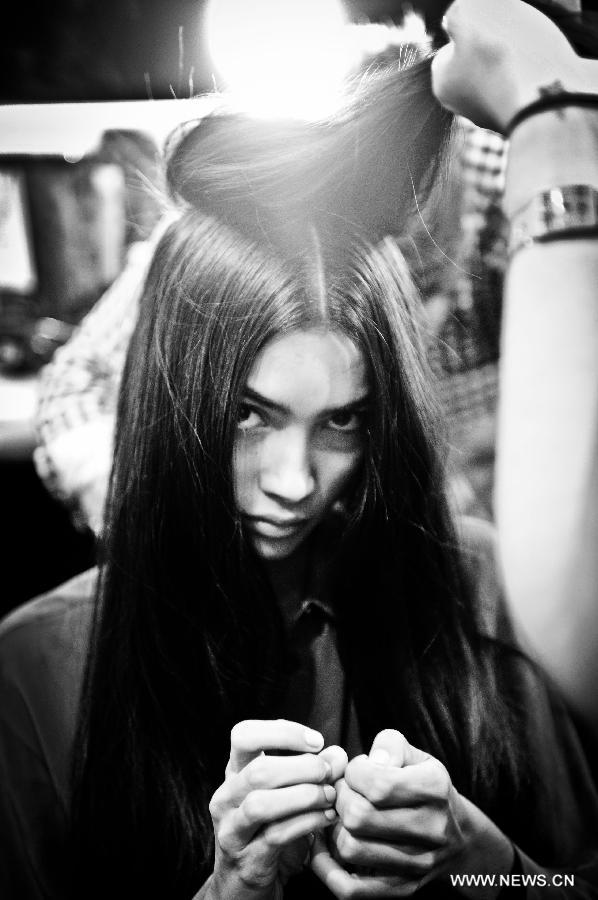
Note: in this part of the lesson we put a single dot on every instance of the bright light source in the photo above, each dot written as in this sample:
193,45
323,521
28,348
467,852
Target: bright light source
281,57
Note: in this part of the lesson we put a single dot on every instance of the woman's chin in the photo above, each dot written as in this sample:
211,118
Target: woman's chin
271,549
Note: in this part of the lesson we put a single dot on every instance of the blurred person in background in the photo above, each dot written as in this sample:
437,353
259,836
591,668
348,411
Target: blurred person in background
279,539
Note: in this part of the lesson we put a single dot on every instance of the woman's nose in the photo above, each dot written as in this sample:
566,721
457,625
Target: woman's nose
286,471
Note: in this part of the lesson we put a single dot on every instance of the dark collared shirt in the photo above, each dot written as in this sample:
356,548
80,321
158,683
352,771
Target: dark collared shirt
42,659
318,694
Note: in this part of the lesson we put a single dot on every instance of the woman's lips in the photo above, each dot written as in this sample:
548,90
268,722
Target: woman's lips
275,528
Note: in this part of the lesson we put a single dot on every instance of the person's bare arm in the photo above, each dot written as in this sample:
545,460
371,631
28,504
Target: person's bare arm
547,463
547,470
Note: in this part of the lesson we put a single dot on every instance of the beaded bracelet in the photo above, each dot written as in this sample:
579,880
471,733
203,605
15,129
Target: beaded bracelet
551,101
562,213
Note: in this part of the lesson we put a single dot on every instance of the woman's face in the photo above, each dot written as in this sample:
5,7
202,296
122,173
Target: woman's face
300,436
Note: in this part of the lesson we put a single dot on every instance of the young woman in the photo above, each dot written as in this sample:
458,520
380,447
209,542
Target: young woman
283,589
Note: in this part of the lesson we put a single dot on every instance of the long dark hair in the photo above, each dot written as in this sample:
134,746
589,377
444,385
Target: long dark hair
280,227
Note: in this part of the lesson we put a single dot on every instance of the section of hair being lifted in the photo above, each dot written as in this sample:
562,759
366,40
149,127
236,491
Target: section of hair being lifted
282,226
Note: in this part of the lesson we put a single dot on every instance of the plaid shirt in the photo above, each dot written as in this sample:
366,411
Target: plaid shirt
465,356
78,393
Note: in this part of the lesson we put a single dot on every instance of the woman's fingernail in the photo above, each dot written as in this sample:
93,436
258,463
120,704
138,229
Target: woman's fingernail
330,814
329,792
380,757
327,772
313,738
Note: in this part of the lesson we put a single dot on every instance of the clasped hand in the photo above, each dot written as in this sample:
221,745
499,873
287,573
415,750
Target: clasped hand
378,826
270,806
398,824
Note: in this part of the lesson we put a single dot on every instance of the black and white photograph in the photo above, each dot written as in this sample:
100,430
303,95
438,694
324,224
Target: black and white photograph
299,450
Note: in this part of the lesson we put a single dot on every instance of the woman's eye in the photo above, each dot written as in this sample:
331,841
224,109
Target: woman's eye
345,420
248,417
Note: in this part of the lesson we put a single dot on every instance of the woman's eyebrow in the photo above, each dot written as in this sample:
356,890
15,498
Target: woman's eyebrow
256,397
351,406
